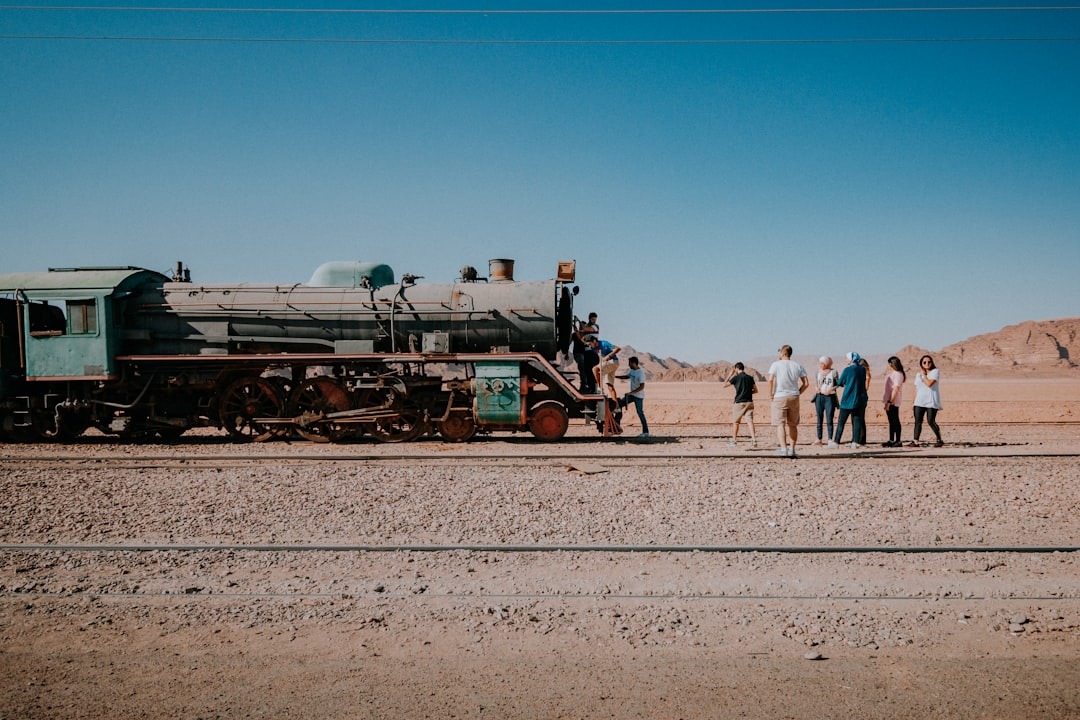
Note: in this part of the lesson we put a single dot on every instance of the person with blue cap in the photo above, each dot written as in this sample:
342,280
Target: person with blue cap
852,402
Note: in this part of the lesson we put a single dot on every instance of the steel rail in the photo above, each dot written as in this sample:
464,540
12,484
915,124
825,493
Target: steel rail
532,596
667,549
226,461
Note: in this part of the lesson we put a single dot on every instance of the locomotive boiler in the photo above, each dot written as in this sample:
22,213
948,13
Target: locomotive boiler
353,352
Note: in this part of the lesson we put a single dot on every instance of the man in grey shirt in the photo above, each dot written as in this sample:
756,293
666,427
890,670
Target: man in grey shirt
787,380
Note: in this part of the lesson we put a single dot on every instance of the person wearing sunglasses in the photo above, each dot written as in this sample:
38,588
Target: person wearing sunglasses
927,399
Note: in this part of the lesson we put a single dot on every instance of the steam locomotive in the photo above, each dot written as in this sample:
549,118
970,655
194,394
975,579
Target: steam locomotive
140,355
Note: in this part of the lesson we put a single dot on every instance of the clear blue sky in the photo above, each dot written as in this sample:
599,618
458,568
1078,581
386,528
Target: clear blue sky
720,198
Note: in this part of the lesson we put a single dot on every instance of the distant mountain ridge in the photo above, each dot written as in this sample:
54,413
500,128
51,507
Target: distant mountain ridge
654,366
1036,348
711,372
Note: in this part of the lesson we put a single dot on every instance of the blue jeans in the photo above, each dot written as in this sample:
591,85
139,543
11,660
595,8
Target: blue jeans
638,404
825,406
586,381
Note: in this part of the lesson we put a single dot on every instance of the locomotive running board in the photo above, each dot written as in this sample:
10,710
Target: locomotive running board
534,359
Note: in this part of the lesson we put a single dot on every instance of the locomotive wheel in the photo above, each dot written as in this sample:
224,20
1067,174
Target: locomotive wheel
314,398
459,427
548,421
403,421
408,424
243,401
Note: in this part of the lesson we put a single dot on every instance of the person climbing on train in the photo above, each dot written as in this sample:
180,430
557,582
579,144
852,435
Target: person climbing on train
607,364
584,358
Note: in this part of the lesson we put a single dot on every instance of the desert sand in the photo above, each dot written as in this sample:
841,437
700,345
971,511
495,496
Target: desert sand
492,579
966,400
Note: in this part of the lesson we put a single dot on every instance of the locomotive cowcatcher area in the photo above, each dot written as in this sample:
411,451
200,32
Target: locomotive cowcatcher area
591,577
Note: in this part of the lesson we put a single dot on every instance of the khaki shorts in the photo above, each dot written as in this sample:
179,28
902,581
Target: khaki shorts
785,410
741,410
608,368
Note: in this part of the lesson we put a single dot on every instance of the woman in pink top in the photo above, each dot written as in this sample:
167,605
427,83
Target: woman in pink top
894,392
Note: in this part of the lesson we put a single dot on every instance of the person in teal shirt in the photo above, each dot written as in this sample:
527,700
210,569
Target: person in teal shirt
852,402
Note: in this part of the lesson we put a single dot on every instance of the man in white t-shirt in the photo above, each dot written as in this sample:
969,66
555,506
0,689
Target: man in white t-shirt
636,376
787,380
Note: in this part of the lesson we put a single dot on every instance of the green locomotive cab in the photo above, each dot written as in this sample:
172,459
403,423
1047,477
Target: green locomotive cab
67,320
60,333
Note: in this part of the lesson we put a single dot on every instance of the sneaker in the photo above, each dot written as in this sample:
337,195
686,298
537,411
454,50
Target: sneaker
939,443
914,443
833,446
791,452
643,435
816,442
782,452
732,443
855,446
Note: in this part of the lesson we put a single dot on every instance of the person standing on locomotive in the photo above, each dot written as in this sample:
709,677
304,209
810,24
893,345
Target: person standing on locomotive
584,358
607,364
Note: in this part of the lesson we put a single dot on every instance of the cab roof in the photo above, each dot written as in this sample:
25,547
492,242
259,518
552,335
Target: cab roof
83,279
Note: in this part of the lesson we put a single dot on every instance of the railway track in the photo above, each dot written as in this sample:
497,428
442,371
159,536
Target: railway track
497,548
192,563
608,459
194,575
190,573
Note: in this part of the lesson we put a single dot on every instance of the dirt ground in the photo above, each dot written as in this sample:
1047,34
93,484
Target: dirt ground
676,577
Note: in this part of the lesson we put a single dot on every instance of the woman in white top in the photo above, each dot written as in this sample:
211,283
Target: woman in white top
927,399
825,402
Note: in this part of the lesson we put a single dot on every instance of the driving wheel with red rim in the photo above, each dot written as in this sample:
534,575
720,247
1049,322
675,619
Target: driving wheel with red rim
548,421
458,427
314,398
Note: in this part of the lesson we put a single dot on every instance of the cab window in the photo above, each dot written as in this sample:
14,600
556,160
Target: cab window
47,320
74,317
82,317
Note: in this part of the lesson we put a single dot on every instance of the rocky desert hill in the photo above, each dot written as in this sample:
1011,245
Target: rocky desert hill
654,366
1037,348
712,372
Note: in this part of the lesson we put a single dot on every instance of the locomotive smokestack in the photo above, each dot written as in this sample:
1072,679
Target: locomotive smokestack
501,270
181,273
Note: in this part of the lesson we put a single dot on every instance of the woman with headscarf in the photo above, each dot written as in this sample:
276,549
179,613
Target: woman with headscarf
852,402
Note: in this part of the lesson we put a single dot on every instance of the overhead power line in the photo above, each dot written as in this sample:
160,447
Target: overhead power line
566,11
434,41
547,12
